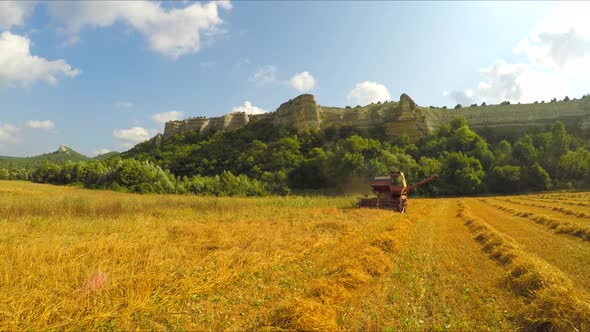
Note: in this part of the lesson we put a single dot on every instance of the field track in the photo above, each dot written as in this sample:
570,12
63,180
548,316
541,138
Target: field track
80,259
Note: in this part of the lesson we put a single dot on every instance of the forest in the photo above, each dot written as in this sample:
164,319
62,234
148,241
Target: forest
261,159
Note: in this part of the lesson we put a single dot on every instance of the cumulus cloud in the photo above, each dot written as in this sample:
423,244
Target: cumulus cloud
562,41
172,32
303,81
265,75
522,82
14,13
368,92
248,108
557,59
8,134
124,104
460,97
100,151
132,135
40,124
17,64
161,118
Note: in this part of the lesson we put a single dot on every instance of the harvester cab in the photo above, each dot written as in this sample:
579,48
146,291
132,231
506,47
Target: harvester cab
392,192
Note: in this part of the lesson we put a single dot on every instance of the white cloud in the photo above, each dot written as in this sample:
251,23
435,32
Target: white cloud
225,4
8,134
515,83
73,40
124,104
172,32
368,92
38,124
562,41
265,75
132,135
14,12
18,65
100,151
556,61
248,108
461,97
303,81
161,118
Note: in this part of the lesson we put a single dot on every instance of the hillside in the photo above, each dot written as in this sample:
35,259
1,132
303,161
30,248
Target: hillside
266,157
61,155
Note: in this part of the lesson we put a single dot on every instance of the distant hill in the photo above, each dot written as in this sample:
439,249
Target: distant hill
62,154
107,155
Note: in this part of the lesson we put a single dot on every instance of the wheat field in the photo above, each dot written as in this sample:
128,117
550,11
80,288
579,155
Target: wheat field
73,259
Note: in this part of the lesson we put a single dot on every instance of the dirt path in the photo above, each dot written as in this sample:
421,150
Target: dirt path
569,254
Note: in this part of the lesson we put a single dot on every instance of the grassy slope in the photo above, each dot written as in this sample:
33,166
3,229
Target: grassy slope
80,259
54,157
33,162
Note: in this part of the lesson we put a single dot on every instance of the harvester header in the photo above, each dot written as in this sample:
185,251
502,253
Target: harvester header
392,192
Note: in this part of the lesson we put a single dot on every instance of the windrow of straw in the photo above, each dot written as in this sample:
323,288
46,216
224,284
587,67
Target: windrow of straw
321,306
552,302
558,226
553,208
566,195
558,201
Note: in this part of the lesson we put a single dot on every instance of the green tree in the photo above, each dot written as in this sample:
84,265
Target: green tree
575,165
505,179
524,152
461,174
537,178
503,152
4,174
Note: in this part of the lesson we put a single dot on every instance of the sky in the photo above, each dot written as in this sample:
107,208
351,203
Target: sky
104,76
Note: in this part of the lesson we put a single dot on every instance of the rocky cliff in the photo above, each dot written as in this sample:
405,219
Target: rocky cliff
394,118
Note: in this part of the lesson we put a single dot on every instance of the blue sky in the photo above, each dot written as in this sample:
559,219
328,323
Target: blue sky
105,76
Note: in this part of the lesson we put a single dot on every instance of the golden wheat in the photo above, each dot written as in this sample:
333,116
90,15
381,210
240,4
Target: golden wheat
73,259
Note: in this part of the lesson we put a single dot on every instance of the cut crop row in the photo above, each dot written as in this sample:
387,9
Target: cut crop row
552,301
559,226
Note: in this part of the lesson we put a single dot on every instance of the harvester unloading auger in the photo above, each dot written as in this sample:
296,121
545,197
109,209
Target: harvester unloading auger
392,192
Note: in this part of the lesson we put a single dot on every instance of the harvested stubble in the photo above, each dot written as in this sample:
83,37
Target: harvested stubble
559,226
80,259
559,201
553,303
88,260
553,208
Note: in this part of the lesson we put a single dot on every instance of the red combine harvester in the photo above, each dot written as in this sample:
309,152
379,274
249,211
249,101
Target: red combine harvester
392,192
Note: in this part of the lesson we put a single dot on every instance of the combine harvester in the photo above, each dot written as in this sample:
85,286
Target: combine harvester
392,192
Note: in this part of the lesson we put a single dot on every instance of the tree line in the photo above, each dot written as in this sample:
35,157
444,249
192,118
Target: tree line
262,159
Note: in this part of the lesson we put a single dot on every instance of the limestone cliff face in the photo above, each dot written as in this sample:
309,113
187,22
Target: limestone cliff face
393,118
575,113
230,121
301,114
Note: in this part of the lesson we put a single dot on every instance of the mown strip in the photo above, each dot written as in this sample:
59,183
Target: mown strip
319,309
552,301
553,208
558,226
557,201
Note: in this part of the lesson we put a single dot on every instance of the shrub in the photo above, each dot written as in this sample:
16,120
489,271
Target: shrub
505,179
